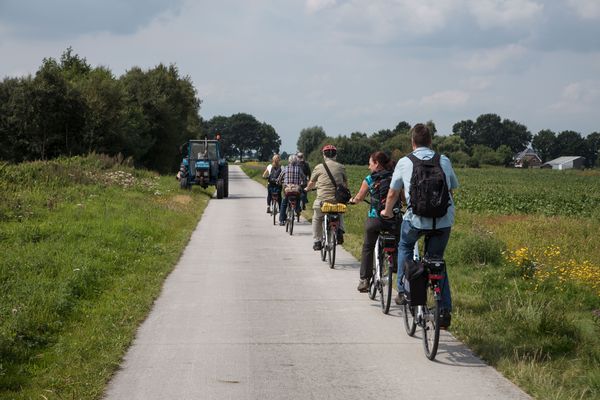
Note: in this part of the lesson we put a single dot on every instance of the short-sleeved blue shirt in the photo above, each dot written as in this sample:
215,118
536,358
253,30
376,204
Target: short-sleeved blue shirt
401,179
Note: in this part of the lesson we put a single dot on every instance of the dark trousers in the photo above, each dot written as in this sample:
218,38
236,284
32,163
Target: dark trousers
372,229
435,247
274,189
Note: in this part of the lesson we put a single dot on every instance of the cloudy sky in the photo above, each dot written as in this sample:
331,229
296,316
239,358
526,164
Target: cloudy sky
346,65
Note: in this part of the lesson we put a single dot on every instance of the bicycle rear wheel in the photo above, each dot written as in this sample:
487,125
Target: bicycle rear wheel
275,209
385,281
290,218
331,245
431,325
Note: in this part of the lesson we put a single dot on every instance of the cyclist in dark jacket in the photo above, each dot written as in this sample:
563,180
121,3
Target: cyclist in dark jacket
306,169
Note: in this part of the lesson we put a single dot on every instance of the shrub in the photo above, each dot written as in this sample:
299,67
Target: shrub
477,249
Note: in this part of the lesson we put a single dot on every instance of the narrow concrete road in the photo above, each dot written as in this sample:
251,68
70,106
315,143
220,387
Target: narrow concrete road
253,313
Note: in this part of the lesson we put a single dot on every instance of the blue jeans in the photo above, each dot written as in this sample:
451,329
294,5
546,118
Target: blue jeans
437,244
283,211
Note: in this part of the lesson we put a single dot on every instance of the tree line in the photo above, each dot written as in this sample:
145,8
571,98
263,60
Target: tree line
70,108
487,140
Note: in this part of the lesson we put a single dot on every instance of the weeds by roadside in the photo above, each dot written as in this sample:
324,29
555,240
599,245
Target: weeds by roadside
86,244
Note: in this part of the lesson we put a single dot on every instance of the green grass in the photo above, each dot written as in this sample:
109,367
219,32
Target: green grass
86,244
543,334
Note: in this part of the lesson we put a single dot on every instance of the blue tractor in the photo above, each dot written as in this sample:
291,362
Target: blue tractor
203,164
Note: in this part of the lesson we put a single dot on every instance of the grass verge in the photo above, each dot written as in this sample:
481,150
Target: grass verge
86,244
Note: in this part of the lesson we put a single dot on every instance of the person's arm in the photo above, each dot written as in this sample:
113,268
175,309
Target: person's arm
265,173
362,193
391,199
311,185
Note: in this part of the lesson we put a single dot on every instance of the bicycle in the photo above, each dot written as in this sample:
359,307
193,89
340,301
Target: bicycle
331,224
292,198
274,206
385,262
427,315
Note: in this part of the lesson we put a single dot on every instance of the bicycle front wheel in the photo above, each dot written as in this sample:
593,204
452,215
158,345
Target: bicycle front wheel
324,241
385,281
331,245
431,325
410,323
374,276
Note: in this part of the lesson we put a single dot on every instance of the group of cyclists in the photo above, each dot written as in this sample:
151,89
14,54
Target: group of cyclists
389,185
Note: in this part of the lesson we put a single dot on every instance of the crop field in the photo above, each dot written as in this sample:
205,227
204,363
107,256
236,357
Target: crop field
524,266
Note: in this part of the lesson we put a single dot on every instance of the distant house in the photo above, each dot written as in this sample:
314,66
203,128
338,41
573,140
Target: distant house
567,162
527,158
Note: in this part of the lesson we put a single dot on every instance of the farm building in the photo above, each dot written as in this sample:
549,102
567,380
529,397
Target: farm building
527,158
565,163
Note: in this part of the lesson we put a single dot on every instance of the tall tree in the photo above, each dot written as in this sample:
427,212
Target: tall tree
310,138
488,130
593,146
515,135
269,143
161,108
402,127
571,143
466,130
544,143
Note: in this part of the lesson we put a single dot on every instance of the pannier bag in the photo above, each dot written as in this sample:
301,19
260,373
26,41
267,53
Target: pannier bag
417,282
333,208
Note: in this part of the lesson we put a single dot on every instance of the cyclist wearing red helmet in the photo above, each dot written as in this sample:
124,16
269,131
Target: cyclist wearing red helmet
326,192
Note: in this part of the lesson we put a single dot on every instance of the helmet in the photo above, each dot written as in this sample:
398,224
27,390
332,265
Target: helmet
329,151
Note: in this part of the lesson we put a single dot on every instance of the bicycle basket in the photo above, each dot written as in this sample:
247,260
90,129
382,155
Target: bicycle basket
333,208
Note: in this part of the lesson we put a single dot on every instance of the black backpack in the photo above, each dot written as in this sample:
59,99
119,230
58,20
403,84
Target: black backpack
380,186
429,196
275,172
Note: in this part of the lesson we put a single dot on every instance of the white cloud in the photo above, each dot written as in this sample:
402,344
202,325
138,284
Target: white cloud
478,83
587,9
504,13
447,98
578,97
492,59
313,6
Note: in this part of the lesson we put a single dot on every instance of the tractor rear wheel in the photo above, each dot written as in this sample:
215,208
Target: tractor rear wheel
226,178
220,188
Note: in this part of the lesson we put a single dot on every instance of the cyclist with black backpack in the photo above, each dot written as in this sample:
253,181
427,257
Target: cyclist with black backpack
376,184
271,173
428,180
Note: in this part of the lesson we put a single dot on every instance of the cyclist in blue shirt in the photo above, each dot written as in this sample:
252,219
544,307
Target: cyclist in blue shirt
414,226
381,166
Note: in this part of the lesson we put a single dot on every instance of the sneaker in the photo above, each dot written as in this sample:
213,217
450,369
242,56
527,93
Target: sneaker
340,238
317,246
445,319
281,223
400,299
363,285
268,210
